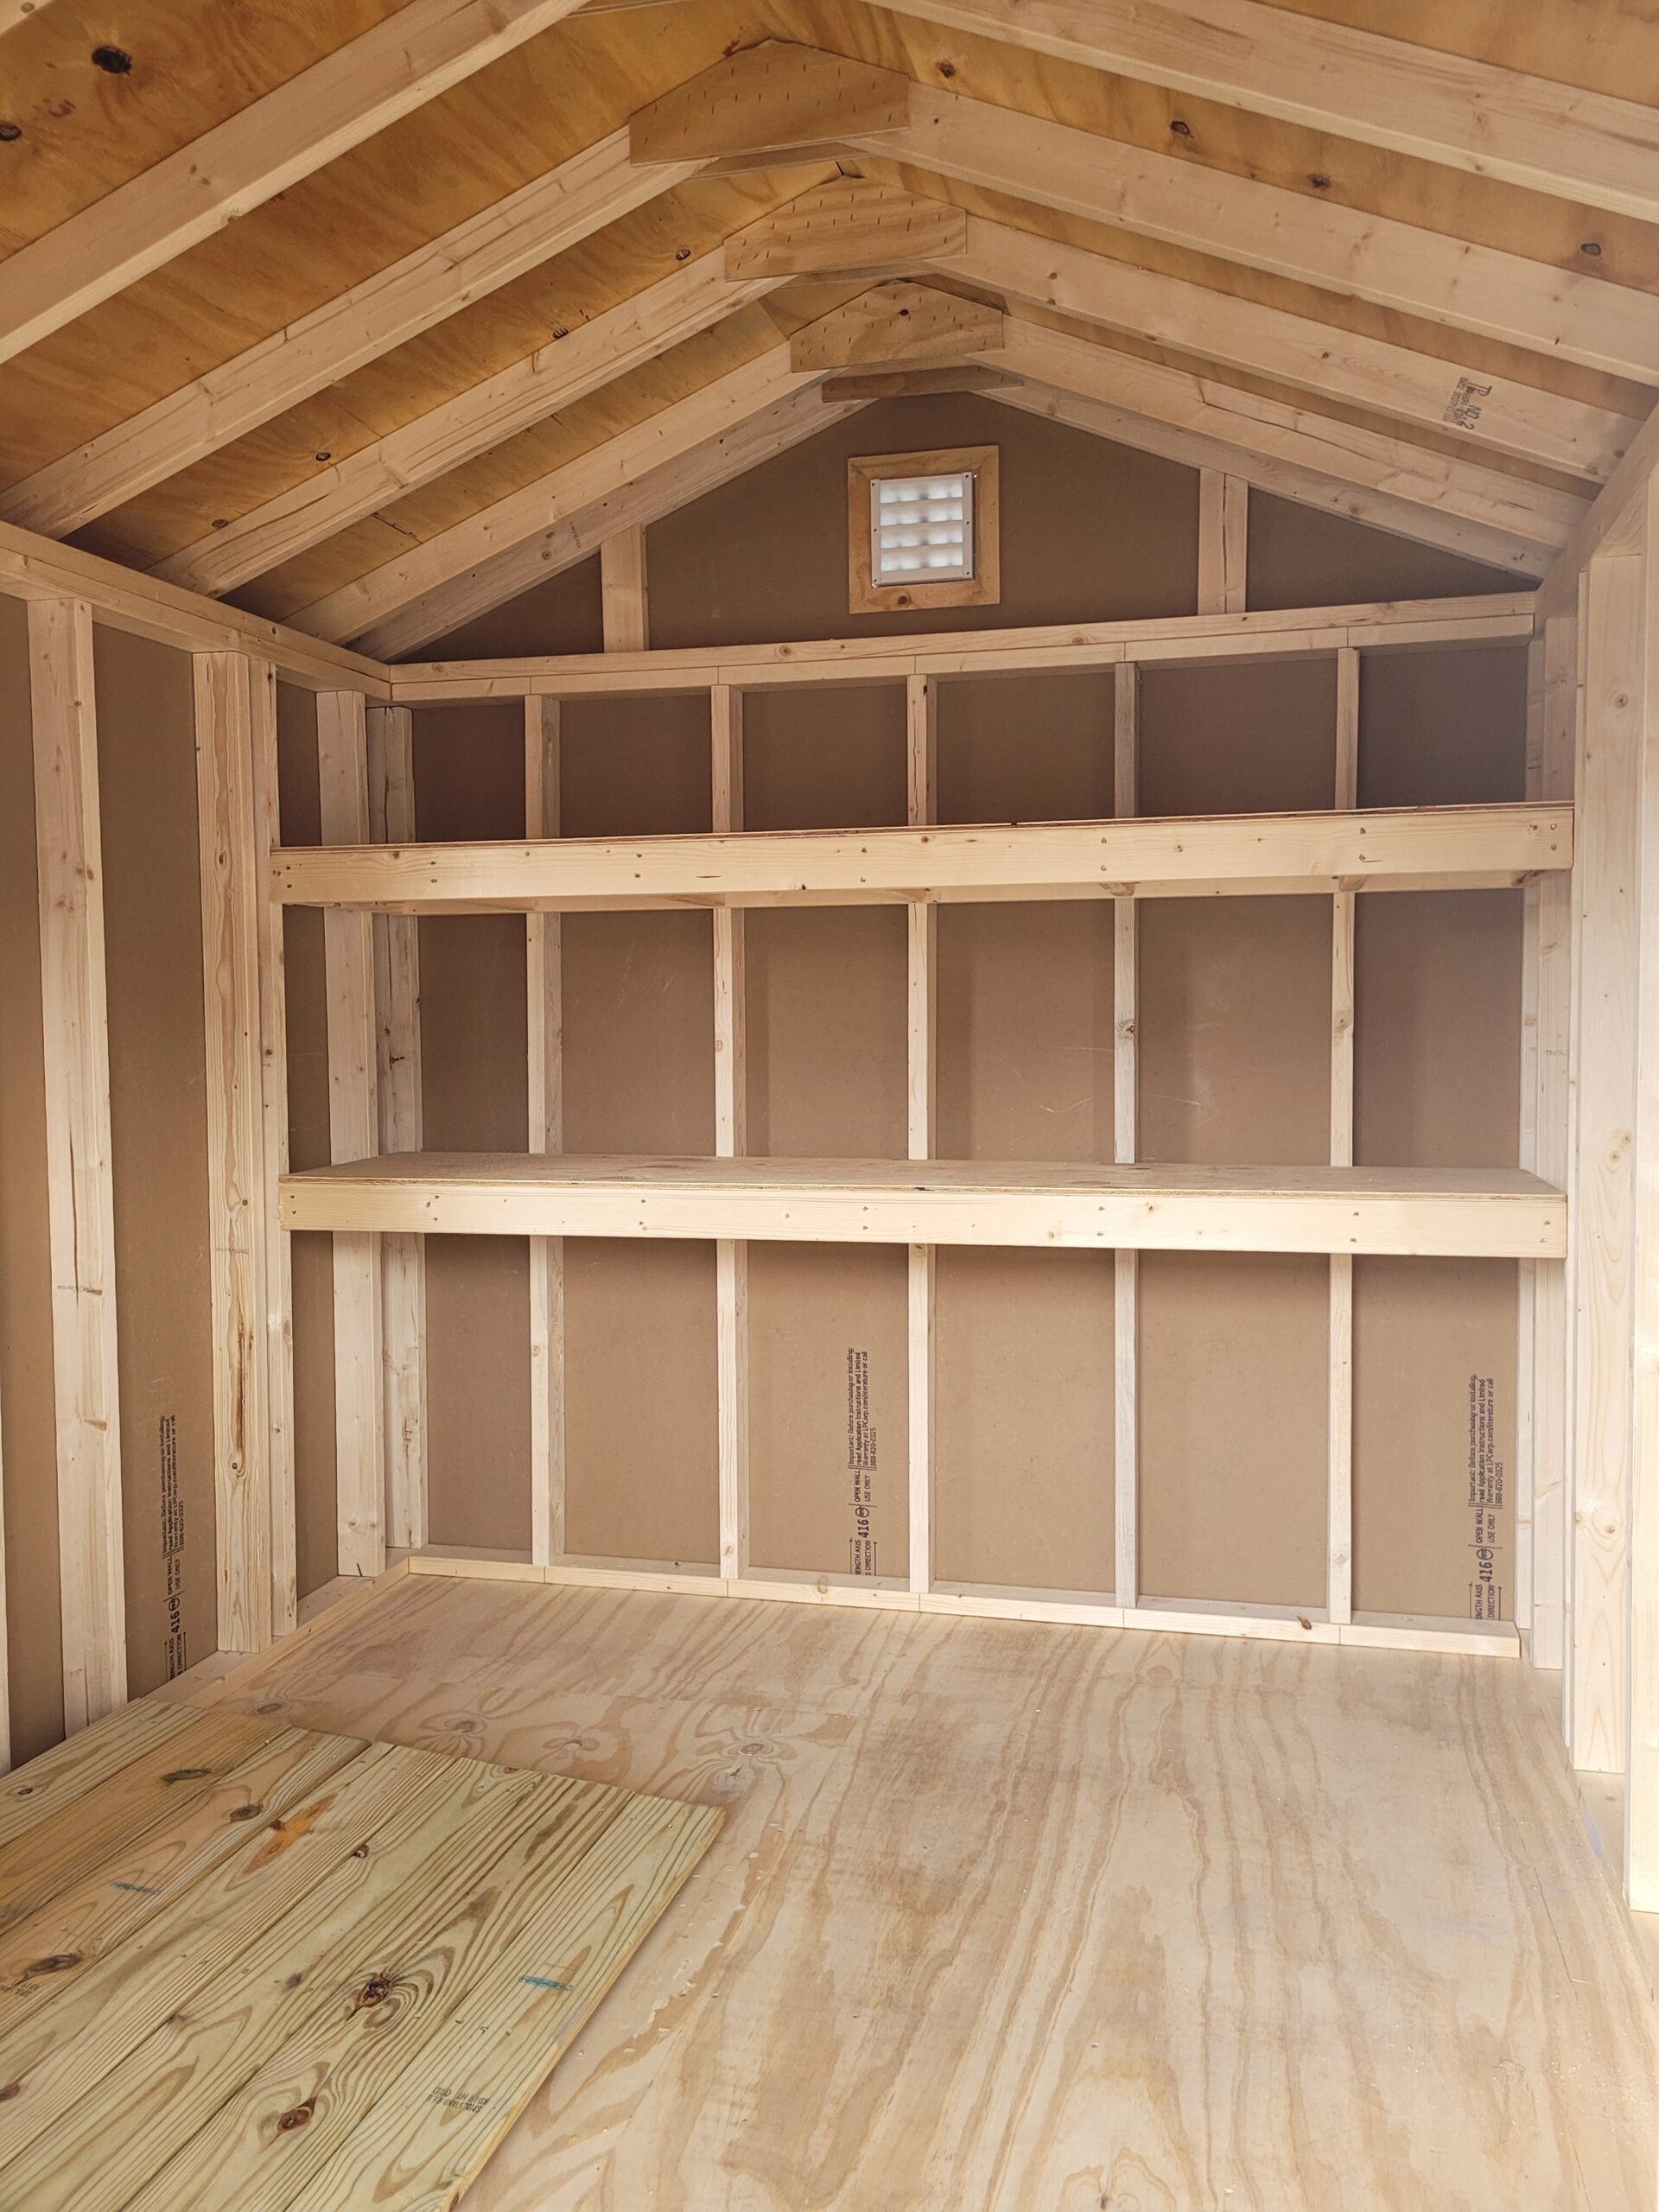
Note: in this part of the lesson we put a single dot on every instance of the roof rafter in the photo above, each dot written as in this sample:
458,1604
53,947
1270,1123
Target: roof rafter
555,375
543,218
529,513
322,113
1579,145
647,498
1612,328
1293,451
1296,350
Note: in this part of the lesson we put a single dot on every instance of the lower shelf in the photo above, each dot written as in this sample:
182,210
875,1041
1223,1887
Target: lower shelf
1421,1213
1160,1616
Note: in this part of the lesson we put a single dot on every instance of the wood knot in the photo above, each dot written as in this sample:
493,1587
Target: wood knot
246,1812
296,2116
187,1774
375,1991
8,2090
54,1962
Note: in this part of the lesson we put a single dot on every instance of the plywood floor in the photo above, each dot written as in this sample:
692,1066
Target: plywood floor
246,1964
1010,1918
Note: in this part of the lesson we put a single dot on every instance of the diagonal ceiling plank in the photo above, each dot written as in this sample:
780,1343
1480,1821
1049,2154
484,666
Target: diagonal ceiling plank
709,412
1613,327
417,54
1297,350
477,256
645,499
555,375
1475,510
1578,145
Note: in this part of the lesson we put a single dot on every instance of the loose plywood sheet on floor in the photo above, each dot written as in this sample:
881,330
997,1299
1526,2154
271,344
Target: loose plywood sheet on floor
641,1412
1434,1393
1248,738
1025,1019
1149,1919
1026,749
26,1401
1023,1459
825,1040
470,782
315,1476
1234,1032
158,1129
1233,1389
828,1481
1091,532
251,1964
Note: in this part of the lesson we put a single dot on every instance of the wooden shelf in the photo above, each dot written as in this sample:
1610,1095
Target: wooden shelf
1406,848
1500,1214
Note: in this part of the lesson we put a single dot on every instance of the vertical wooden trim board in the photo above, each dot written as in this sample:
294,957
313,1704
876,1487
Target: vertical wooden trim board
625,604
1126,1285
921,1054
5,1649
1602,1192
279,1269
731,1274
79,1191
1339,1509
1641,1799
544,974
389,734
354,1126
233,695
1223,536
1551,1005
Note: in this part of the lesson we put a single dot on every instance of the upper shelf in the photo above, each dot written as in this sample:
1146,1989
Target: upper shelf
1406,848
1498,1214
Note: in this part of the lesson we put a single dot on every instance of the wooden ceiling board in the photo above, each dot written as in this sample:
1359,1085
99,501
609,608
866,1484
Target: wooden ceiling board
1606,46
611,266
515,120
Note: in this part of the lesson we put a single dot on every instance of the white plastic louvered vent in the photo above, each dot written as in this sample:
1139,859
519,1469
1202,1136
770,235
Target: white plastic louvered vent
922,529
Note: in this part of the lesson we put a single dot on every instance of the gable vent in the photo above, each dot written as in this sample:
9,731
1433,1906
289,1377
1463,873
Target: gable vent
922,529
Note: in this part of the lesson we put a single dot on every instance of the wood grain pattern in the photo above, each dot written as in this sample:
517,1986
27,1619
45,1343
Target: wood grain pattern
287,1961
1130,1911
80,1185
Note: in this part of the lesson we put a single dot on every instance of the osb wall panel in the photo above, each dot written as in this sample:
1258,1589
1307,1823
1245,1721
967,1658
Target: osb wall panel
641,1449
158,1129
315,1502
828,1481
1250,739
28,1445
1233,1028
825,1053
641,1418
1025,1019
470,782
1025,748
1437,1080
1233,1408
1301,556
1023,1468
1090,531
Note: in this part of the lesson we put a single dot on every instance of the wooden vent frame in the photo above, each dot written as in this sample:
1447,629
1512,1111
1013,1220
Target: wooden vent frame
982,589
